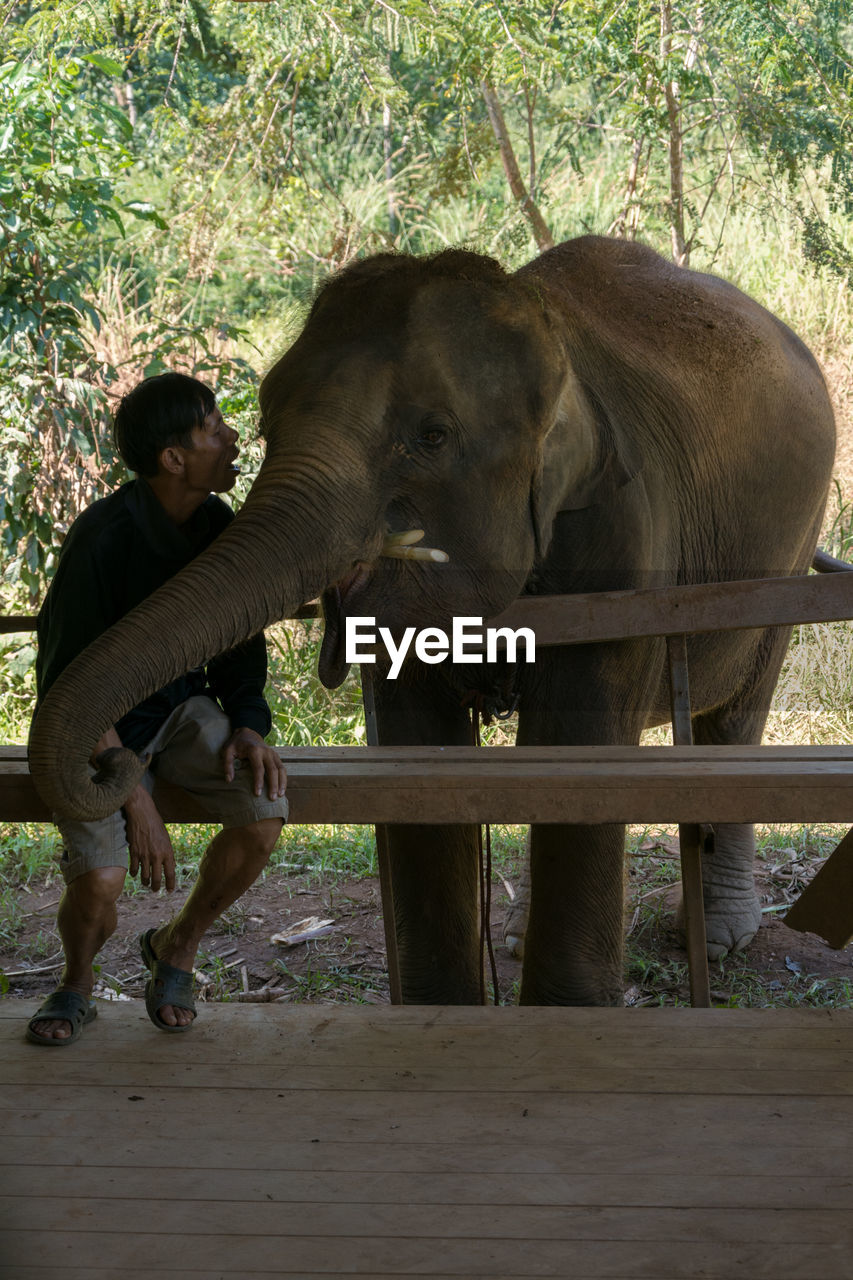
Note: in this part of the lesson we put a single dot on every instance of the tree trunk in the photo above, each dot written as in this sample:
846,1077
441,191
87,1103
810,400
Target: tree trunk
390,197
675,144
628,222
541,233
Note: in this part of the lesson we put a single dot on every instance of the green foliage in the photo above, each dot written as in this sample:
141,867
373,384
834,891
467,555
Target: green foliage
173,178
305,713
64,212
57,195
28,854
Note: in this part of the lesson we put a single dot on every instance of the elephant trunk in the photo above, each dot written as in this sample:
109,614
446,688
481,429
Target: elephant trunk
275,556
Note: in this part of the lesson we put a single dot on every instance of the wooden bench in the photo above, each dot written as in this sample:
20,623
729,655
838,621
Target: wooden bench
691,785
526,784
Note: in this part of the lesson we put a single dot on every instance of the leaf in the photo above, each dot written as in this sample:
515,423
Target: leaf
21,662
119,117
144,210
108,65
83,445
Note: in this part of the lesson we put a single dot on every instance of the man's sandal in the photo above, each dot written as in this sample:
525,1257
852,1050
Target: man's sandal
65,1006
167,985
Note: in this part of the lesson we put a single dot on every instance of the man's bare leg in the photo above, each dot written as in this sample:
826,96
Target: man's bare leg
85,919
230,865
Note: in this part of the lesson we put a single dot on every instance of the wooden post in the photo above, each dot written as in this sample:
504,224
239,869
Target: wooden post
383,856
825,906
691,836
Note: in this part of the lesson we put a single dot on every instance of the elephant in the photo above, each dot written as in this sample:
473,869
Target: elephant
599,419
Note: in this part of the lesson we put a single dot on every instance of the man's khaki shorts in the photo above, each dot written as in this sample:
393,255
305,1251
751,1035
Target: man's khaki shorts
188,752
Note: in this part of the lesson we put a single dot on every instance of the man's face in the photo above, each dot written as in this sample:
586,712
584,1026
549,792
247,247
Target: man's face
209,464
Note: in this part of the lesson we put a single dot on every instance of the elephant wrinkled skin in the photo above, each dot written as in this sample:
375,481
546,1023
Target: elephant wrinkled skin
599,420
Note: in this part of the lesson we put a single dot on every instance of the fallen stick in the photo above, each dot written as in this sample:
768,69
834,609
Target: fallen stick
264,996
28,973
38,910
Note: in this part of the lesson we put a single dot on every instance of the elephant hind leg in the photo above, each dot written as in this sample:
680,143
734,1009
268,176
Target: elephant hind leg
732,909
518,912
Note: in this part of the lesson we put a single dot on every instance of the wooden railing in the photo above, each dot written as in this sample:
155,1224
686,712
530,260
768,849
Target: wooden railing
695,786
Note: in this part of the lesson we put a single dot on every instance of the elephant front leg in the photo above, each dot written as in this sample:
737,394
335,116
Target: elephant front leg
573,952
434,868
435,886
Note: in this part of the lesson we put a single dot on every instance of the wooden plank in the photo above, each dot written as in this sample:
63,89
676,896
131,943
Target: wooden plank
420,757
565,785
399,1051
613,1153
354,1035
691,836
396,1060
383,852
353,1116
545,1073
656,611
169,1273
665,1023
304,1147
359,1220
13,622
833,1077
661,611
298,1185
109,1048
493,1257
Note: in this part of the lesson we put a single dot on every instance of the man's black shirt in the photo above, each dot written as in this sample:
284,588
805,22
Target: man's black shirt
117,553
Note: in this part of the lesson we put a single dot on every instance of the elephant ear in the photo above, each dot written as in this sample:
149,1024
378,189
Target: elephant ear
583,462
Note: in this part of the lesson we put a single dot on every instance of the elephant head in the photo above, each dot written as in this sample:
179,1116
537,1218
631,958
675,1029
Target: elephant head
431,394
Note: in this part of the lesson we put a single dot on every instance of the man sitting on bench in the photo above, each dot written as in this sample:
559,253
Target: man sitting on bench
205,731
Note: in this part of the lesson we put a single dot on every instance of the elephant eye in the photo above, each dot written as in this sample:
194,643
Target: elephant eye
432,435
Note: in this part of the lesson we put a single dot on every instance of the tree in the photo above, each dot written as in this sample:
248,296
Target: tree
57,194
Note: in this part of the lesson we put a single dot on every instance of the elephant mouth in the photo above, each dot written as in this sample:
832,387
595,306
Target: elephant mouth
332,666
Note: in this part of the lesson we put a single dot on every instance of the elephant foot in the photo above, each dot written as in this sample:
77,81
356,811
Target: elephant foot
729,926
581,986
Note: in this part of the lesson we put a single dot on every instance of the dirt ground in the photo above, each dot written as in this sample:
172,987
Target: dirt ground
242,960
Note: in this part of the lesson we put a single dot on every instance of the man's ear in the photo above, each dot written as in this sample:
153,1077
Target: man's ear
582,462
171,460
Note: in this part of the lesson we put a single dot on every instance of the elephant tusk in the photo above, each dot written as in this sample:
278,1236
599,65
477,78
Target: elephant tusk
399,546
416,553
404,539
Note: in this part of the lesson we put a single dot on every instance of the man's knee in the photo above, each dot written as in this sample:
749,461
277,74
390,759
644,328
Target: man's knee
260,838
96,890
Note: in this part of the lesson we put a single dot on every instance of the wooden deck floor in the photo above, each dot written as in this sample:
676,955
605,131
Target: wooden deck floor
314,1141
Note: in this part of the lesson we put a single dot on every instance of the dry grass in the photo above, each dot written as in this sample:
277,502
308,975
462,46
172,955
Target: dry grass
813,702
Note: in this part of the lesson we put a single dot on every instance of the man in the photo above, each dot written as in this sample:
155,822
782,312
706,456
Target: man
204,731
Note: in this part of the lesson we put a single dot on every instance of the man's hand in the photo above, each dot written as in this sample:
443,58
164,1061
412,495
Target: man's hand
151,852
246,744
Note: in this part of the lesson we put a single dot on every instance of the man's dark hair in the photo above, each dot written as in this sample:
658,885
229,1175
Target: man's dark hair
159,412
